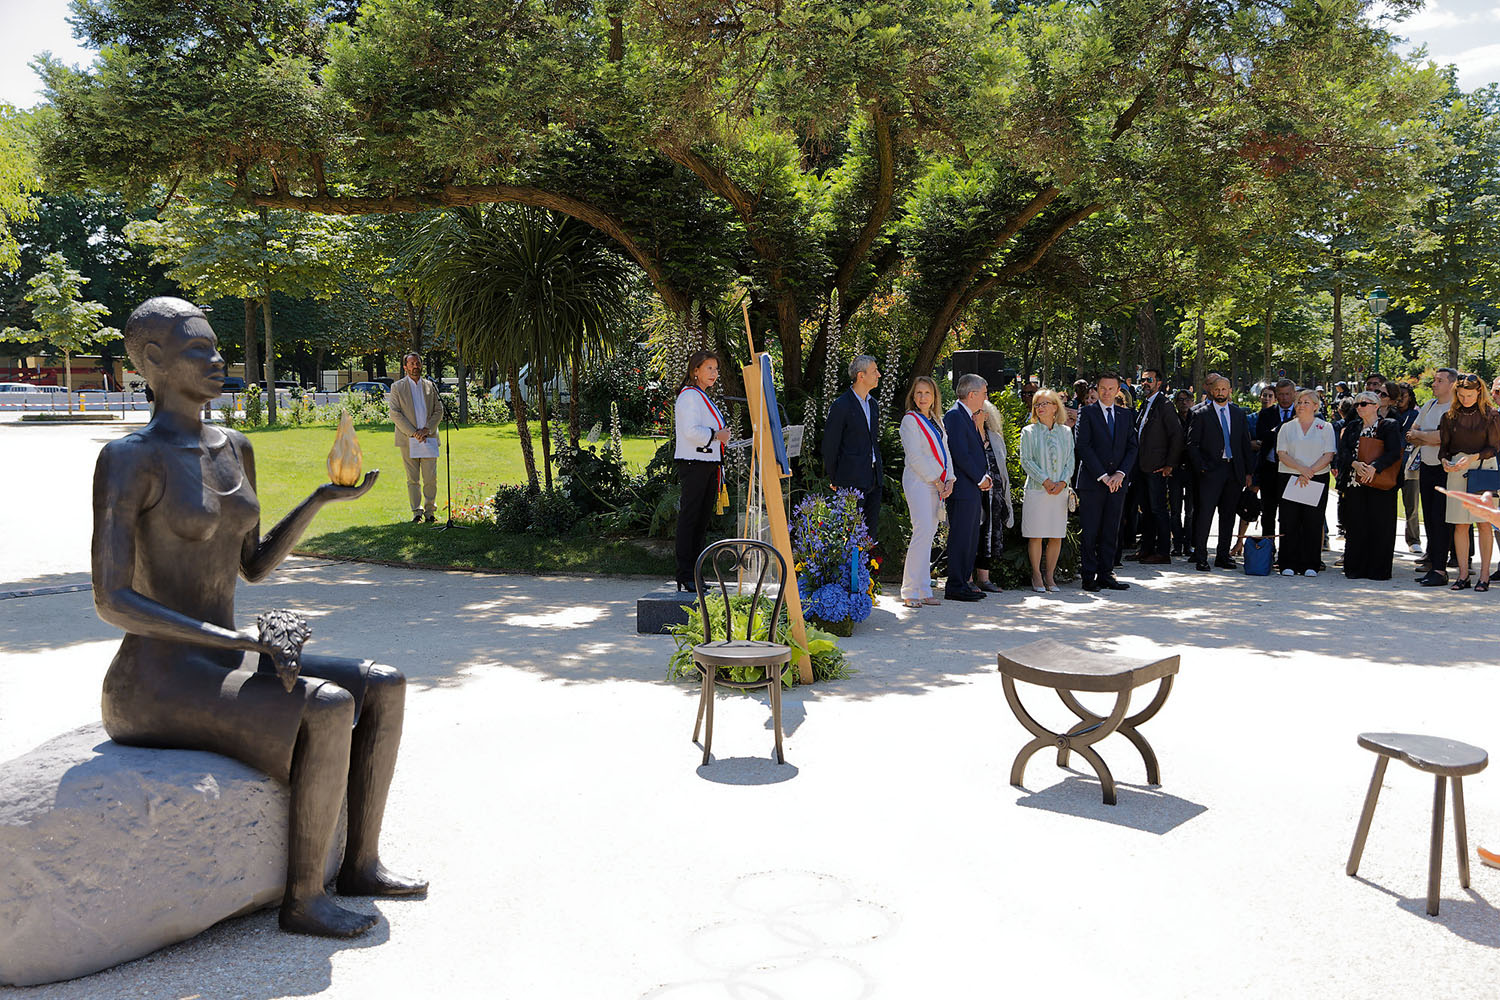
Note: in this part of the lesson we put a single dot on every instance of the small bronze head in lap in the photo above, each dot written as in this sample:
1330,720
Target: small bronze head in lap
176,518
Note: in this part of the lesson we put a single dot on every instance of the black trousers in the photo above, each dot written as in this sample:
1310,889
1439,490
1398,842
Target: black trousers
1434,517
1156,518
1132,517
870,499
700,488
1271,484
1301,547
1369,532
1219,491
963,541
1180,492
1099,513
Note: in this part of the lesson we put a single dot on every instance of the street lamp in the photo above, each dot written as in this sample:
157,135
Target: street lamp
1378,302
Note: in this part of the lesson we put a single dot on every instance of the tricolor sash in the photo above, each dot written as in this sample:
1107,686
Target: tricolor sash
934,441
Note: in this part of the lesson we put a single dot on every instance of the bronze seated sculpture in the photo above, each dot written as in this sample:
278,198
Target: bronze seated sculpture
175,519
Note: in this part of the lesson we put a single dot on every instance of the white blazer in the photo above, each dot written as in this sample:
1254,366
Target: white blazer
919,457
696,422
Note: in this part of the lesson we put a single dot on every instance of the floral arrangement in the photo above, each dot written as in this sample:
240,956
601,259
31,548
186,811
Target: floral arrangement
831,550
828,662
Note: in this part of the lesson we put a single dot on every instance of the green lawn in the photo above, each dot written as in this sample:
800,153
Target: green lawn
290,464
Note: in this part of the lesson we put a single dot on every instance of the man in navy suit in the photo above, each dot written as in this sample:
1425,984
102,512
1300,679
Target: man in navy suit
971,478
1218,446
1105,443
851,446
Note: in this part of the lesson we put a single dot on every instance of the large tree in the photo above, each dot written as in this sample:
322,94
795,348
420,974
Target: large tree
807,146
17,180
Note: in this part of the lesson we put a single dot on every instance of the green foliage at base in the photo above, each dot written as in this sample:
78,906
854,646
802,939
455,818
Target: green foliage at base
828,660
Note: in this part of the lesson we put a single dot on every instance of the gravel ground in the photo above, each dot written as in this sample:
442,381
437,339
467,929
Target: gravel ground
576,849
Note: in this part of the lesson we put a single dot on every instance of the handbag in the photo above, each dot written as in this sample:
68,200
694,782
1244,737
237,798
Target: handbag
1072,500
1259,553
1367,451
1483,480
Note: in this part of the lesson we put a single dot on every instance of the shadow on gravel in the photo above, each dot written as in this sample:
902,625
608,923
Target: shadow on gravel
746,771
1471,918
1140,807
216,963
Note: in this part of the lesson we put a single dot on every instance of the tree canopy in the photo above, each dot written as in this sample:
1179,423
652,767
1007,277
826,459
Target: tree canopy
957,151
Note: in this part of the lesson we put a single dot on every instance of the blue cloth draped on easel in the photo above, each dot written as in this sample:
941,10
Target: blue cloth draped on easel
778,439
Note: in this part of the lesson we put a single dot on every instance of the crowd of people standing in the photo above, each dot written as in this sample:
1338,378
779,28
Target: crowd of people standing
1146,467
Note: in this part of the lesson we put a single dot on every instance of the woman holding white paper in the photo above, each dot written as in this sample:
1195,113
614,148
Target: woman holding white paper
1305,448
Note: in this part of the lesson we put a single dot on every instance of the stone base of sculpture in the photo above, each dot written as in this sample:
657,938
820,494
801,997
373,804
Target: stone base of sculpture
110,852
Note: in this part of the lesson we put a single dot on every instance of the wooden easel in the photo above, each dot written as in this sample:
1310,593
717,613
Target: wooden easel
763,462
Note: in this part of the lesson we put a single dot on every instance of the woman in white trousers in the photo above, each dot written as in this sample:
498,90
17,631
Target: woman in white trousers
927,481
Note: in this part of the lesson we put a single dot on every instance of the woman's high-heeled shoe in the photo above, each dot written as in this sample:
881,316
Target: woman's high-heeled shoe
1481,586
1460,585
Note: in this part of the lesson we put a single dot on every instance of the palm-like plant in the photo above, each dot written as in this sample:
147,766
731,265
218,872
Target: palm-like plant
518,285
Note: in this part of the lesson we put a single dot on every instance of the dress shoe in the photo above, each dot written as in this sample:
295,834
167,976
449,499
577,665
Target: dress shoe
1202,566
1226,563
962,595
431,517
1110,583
1090,587
1434,579
1156,561
1139,556
989,587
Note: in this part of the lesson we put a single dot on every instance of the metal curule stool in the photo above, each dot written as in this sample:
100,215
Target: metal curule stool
1067,669
1448,759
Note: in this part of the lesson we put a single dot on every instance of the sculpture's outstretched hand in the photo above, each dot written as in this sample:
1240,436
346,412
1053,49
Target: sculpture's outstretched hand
329,492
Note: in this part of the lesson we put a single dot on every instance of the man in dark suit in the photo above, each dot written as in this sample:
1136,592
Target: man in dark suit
851,446
1105,443
1182,491
1218,445
971,479
1160,434
1267,425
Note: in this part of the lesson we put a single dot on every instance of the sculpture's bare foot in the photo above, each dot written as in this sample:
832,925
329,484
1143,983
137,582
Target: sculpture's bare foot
377,880
321,916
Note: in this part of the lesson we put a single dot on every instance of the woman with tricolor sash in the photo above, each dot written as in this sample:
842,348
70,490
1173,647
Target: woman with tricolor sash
701,435
927,481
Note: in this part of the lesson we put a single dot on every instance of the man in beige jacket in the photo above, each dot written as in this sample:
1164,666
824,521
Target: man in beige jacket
416,410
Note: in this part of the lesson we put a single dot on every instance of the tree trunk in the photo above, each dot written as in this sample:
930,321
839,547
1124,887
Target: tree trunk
523,427
252,355
265,298
319,356
463,389
541,397
1198,358
573,398
1046,356
1078,347
1338,331
1148,335
270,352
413,326
789,329
1265,375
1124,344
1452,320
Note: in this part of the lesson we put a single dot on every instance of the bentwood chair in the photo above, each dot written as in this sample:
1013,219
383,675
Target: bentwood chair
729,562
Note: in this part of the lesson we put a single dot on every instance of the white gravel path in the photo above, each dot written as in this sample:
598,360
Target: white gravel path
576,850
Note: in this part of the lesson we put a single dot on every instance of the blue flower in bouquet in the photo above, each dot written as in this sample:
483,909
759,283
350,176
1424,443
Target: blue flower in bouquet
860,606
829,602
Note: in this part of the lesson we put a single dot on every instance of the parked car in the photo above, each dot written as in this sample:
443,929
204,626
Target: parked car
28,387
234,383
373,387
558,386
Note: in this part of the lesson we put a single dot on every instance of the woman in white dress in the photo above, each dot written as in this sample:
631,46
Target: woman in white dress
1047,457
927,480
